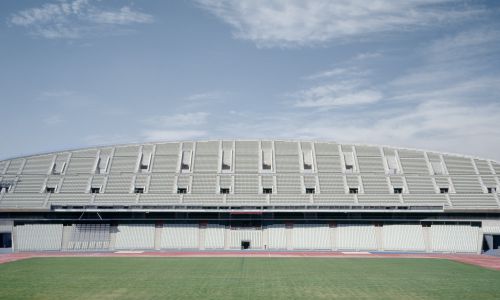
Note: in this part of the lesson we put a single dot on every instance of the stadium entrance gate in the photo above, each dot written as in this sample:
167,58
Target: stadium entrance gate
491,243
245,245
5,240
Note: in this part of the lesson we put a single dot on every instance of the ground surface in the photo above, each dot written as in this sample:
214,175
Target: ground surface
245,278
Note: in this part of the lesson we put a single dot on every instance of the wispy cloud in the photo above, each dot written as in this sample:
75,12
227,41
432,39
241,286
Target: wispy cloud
179,120
66,98
53,120
338,72
76,19
368,55
109,139
121,17
435,125
337,87
212,95
465,45
285,23
336,94
180,126
454,68
173,135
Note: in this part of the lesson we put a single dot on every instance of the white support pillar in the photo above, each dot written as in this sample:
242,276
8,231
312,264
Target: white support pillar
379,238
112,237
158,234
333,237
289,237
66,237
265,238
427,238
201,237
227,238
479,241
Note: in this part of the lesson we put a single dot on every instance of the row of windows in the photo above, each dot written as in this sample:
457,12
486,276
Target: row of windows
5,187
141,190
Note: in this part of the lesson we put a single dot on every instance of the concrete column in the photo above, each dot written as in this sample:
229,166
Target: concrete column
479,241
265,238
158,234
379,238
227,236
112,237
289,237
333,237
14,239
66,237
201,238
427,239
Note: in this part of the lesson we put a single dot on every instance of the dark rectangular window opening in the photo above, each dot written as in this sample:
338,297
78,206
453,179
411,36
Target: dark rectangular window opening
443,190
143,167
267,191
95,190
398,190
6,240
349,168
181,190
307,167
50,190
245,245
492,190
310,190
184,167
266,167
224,190
353,190
139,190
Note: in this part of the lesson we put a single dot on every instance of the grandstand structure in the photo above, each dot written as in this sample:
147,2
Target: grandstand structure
268,195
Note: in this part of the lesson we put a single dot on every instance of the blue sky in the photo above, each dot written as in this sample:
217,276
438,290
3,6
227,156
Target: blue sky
419,74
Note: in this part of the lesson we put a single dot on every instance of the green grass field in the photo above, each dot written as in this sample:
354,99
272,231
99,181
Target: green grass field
245,278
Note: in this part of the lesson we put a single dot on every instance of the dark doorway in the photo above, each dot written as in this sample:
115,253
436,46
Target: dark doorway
491,242
5,240
496,241
245,245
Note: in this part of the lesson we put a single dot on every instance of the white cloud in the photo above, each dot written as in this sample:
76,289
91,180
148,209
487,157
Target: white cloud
462,90
286,23
75,19
455,68
327,73
124,16
347,72
213,95
434,125
179,120
368,55
448,101
109,139
173,135
334,95
465,45
53,120
66,98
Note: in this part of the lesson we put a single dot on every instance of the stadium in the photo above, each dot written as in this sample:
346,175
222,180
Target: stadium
250,195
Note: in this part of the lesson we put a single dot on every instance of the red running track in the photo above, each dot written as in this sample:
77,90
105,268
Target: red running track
489,262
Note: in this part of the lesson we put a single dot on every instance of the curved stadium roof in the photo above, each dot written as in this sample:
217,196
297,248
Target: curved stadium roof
266,174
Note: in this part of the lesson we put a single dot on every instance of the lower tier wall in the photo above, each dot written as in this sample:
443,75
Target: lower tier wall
289,236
